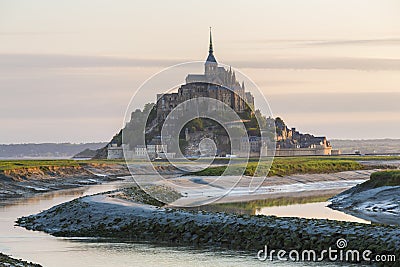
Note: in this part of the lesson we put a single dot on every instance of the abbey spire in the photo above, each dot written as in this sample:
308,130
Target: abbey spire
210,50
215,74
211,57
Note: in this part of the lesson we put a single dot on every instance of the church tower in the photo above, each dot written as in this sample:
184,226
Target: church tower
211,65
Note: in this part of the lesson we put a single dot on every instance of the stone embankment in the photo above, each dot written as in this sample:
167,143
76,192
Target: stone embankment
105,216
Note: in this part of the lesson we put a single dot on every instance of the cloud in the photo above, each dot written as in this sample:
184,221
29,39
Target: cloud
8,61
374,42
328,42
27,61
7,34
328,63
335,103
362,125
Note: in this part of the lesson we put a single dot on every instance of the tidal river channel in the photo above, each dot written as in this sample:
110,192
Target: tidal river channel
59,252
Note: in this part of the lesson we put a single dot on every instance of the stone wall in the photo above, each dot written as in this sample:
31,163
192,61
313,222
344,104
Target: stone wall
288,152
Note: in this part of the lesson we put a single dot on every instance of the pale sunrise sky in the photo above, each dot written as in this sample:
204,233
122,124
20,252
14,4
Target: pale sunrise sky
68,69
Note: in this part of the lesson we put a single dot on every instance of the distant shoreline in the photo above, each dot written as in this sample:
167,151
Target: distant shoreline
68,150
46,150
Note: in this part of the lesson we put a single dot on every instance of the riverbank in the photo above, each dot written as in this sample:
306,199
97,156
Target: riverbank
7,261
105,216
23,178
26,178
376,200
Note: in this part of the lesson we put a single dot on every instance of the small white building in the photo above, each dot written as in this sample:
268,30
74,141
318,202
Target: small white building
140,151
115,152
154,149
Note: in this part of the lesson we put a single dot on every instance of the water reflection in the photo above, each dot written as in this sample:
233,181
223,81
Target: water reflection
317,210
75,192
312,207
253,207
61,252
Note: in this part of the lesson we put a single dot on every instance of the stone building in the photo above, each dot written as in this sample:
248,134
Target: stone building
140,152
155,147
115,152
290,142
216,82
252,146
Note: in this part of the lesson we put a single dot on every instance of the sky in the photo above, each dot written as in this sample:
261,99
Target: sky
68,69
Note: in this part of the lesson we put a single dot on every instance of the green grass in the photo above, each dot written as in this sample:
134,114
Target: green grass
20,164
341,157
280,166
288,166
384,178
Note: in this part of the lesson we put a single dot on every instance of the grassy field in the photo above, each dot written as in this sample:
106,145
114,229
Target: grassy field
290,165
287,166
18,164
281,165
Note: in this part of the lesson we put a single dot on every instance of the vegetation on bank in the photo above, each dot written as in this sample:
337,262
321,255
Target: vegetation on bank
18,164
289,166
280,166
384,178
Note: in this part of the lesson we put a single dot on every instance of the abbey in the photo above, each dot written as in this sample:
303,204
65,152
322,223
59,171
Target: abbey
271,137
216,82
